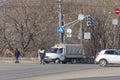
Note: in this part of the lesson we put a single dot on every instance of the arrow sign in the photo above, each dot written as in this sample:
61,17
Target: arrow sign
69,31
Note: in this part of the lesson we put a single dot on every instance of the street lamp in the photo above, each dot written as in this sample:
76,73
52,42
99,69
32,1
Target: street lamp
70,24
62,26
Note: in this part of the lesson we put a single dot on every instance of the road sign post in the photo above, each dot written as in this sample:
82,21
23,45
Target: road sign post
61,34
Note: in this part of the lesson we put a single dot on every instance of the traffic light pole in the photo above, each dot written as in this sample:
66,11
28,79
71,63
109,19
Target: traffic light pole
61,35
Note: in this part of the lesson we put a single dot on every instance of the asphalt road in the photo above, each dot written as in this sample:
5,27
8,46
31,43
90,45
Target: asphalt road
11,71
97,78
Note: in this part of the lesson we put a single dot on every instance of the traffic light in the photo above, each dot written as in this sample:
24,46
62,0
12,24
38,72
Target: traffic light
62,23
89,21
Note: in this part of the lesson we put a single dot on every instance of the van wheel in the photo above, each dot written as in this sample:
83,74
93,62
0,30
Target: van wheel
57,61
64,62
73,61
103,63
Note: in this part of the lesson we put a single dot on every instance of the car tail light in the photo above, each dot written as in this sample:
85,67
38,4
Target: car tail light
97,54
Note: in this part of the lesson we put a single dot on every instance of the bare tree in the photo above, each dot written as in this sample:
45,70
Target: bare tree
31,24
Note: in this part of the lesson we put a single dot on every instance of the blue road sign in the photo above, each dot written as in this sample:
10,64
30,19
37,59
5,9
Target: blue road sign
60,29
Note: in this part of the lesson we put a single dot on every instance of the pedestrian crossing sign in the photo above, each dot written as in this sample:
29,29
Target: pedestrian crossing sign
60,29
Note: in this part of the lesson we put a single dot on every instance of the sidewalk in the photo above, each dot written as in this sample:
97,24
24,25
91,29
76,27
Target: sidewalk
21,59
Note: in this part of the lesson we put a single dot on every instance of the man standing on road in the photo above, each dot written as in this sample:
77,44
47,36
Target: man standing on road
42,55
17,54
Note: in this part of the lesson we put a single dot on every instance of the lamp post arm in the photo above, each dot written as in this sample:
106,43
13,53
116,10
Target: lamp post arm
71,22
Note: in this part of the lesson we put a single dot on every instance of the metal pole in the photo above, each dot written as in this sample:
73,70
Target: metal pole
81,31
60,21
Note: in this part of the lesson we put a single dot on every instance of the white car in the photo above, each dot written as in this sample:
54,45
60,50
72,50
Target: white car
108,56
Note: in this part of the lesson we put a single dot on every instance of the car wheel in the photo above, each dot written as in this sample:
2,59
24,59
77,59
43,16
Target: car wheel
64,62
103,63
57,61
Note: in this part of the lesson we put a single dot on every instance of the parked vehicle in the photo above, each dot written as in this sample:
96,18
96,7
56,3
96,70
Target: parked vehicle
64,53
108,56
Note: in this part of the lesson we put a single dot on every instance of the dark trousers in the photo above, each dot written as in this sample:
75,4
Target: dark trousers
17,60
42,58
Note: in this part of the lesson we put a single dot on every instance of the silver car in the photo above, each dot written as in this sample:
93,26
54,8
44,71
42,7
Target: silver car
108,56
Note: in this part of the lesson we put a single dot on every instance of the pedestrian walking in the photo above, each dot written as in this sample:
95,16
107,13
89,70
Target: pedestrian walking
17,54
42,52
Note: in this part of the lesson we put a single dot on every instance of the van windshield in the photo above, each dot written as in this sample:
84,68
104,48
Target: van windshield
55,50
118,52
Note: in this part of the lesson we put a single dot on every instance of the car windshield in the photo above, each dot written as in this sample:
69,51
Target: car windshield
55,50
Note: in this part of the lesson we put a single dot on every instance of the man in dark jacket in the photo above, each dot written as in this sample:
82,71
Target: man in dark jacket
17,54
